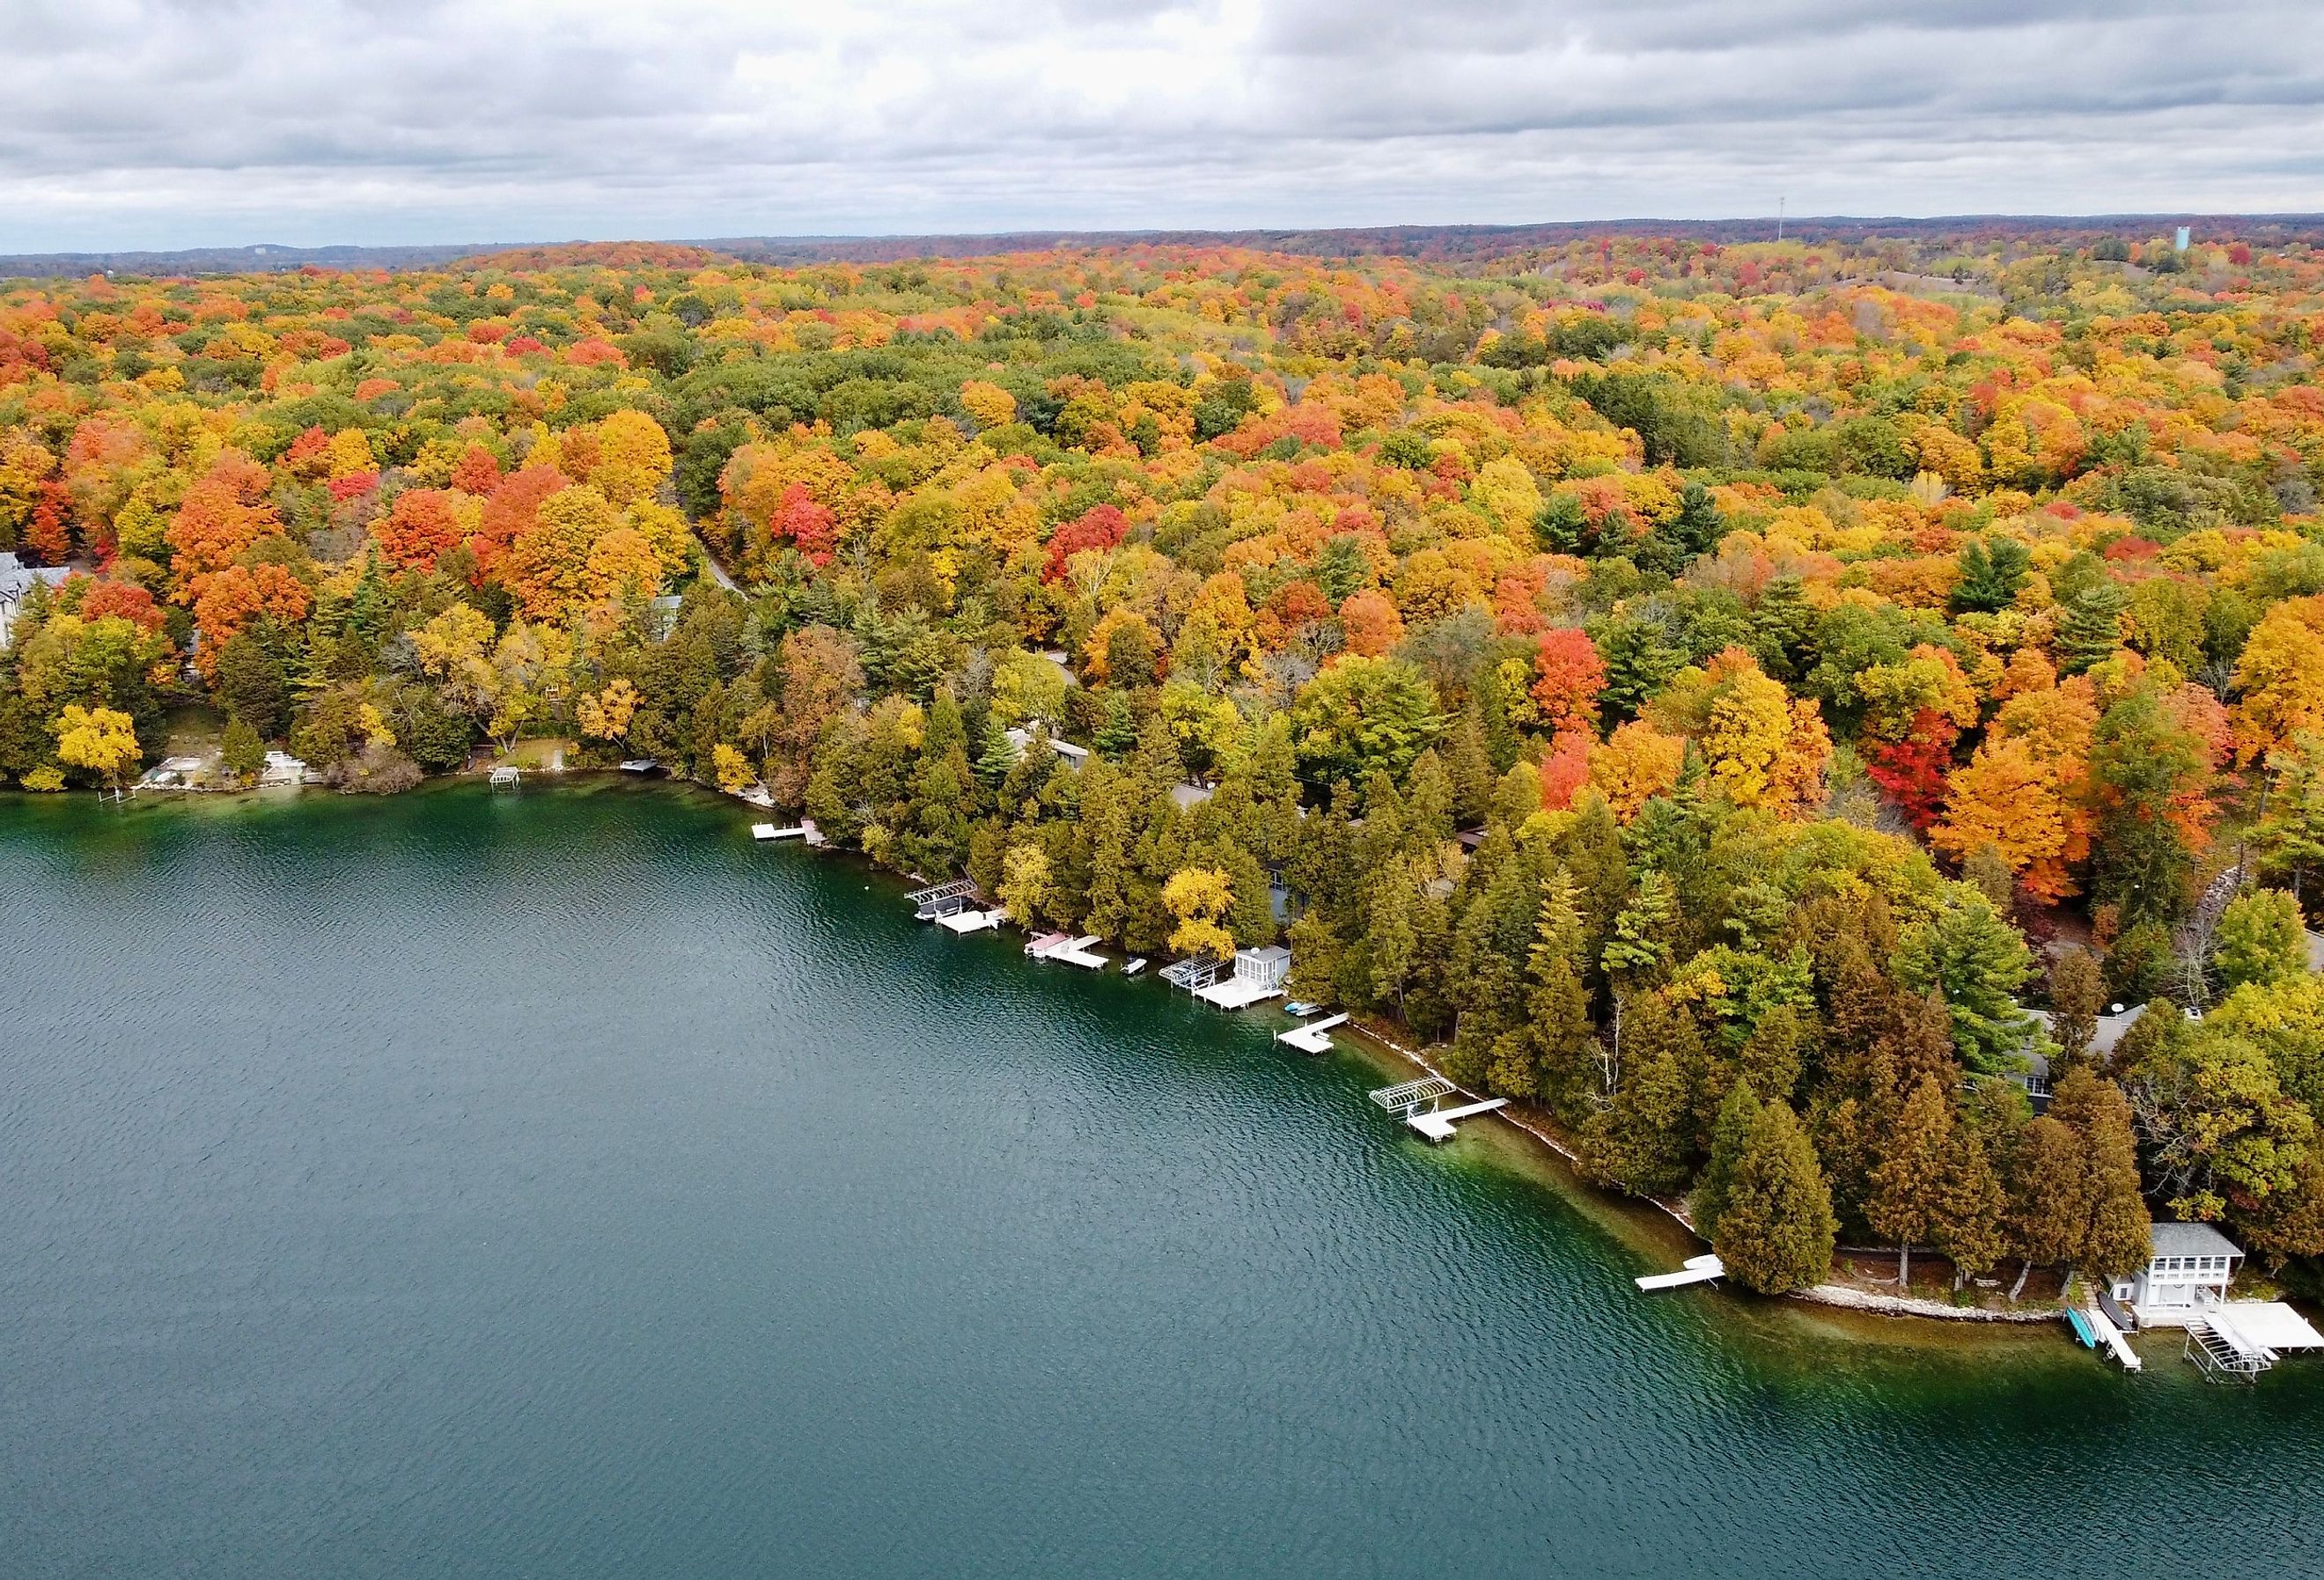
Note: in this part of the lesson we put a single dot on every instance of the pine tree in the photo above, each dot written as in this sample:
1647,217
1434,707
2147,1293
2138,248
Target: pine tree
1775,1230
1908,1186
1968,1227
1771,1055
2077,994
1730,1136
1639,1140
1565,1074
1470,768
2049,1186
2116,1230
998,756
2091,627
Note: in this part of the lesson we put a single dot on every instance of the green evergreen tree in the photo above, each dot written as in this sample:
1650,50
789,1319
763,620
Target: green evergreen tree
2077,995
1992,569
1777,1229
1640,1141
1908,1185
1730,1136
2048,1191
2091,627
2115,1237
1967,1228
241,751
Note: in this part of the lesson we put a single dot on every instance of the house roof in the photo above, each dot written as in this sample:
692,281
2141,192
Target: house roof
2192,1240
1268,952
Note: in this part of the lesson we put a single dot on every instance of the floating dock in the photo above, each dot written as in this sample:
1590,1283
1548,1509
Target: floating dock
2105,1335
1436,1125
1067,949
1315,1038
1420,1104
804,830
971,921
1694,1270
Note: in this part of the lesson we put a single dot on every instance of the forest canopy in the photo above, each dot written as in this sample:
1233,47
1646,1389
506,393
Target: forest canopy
1716,691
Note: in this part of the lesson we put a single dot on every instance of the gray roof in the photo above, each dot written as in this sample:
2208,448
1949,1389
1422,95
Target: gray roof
17,577
2192,1240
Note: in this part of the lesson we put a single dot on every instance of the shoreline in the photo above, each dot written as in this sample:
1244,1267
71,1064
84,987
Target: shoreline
1377,1045
1839,1296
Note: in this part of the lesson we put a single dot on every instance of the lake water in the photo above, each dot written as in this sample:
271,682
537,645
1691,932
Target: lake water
558,1184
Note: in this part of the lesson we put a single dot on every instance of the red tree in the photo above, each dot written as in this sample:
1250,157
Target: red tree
1912,772
1100,527
1572,674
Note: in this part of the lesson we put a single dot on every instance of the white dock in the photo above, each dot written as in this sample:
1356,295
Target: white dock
1068,950
504,778
1694,1270
768,831
1237,992
971,921
1436,1125
1312,1037
2111,1337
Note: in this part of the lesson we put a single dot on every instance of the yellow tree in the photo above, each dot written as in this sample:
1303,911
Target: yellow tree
2008,800
1198,899
102,740
1025,885
1634,765
634,457
606,715
2281,678
731,767
454,649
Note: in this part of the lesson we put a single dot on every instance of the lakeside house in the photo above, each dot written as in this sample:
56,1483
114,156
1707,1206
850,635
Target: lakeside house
1259,973
17,580
1021,739
282,768
2189,1269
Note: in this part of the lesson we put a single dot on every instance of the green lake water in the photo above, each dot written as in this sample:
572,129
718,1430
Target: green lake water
558,1184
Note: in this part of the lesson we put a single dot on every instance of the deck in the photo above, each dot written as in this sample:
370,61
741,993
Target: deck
971,921
1068,950
2110,1338
1238,992
1436,1125
1694,1270
1313,1038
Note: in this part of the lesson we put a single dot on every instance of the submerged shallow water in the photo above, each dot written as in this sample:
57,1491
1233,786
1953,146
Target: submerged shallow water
558,1184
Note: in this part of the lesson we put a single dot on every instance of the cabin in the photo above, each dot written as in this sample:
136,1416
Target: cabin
1259,974
1020,740
17,581
2188,1272
282,768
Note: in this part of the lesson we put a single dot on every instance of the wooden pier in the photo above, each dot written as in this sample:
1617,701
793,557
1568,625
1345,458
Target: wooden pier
1694,1270
971,921
1436,1125
1312,1037
1068,950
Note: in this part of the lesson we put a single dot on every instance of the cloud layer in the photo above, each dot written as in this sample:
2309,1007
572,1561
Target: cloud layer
176,123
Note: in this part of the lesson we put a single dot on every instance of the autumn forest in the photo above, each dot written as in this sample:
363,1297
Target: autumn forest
1755,705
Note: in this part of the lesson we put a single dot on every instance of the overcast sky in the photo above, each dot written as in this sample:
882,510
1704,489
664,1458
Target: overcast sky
181,122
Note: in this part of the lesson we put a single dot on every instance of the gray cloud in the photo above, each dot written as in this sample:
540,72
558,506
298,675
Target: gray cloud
180,122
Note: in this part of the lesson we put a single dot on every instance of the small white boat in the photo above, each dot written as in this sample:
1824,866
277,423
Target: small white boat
1300,1009
1134,966
639,765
